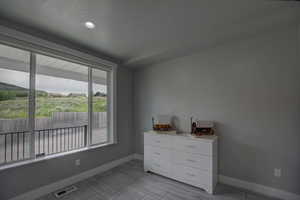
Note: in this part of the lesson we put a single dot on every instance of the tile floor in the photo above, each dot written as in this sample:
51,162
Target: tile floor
130,182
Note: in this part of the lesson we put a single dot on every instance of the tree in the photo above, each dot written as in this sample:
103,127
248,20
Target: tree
7,95
99,94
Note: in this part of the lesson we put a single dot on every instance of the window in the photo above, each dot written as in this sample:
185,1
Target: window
49,105
99,107
61,114
14,101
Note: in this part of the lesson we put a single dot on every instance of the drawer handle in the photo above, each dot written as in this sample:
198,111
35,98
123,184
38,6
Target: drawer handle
157,141
189,174
157,153
190,160
191,146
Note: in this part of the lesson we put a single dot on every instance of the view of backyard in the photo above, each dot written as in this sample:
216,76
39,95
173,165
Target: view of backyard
61,120
17,107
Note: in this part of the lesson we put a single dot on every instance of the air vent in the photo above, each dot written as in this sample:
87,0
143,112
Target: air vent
40,155
63,192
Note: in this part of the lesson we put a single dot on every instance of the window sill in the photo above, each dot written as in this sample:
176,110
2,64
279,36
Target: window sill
35,160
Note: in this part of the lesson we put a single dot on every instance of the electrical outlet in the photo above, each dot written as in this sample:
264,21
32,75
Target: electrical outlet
277,172
77,162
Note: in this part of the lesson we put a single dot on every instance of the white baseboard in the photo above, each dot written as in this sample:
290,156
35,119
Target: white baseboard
36,193
257,188
138,156
254,187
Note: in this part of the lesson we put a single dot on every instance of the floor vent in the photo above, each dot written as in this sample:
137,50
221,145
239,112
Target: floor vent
63,192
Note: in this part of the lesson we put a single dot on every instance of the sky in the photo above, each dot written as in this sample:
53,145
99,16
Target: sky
48,83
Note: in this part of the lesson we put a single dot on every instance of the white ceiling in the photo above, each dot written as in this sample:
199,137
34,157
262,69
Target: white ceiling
142,32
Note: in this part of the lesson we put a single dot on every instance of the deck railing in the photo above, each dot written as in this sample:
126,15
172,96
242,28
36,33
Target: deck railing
15,146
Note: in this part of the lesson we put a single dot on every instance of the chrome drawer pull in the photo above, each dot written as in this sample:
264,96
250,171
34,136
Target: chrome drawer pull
157,153
157,141
191,146
190,160
189,174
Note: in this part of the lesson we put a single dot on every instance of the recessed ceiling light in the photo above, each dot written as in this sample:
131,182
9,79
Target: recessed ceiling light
89,25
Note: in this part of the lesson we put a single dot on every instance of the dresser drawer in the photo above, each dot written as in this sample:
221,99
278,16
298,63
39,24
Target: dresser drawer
158,153
191,175
197,161
157,140
192,146
157,166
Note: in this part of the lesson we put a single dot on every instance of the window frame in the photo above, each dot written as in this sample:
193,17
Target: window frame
107,66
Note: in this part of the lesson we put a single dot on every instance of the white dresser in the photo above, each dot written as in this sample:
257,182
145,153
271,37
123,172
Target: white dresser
183,157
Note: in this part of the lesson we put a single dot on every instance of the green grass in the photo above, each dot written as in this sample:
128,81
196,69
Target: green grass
45,106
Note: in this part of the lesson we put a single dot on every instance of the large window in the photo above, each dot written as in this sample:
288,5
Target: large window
50,105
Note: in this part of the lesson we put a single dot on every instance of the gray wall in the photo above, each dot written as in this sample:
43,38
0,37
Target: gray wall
250,88
18,180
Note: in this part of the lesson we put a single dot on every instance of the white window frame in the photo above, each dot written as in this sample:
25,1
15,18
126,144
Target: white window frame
35,46
111,103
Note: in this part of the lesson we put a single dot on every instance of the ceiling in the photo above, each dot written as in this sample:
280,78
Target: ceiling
142,32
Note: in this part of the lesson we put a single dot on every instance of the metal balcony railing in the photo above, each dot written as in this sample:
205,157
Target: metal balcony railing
16,146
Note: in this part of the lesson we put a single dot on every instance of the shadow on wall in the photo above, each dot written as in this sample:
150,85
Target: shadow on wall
257,159
175,123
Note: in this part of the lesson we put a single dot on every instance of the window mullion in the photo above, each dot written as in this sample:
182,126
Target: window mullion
31,118
108,108
90,107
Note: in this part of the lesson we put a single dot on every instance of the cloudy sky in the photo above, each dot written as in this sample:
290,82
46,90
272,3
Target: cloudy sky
48,83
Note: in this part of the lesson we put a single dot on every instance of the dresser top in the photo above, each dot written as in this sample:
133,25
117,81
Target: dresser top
186,135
